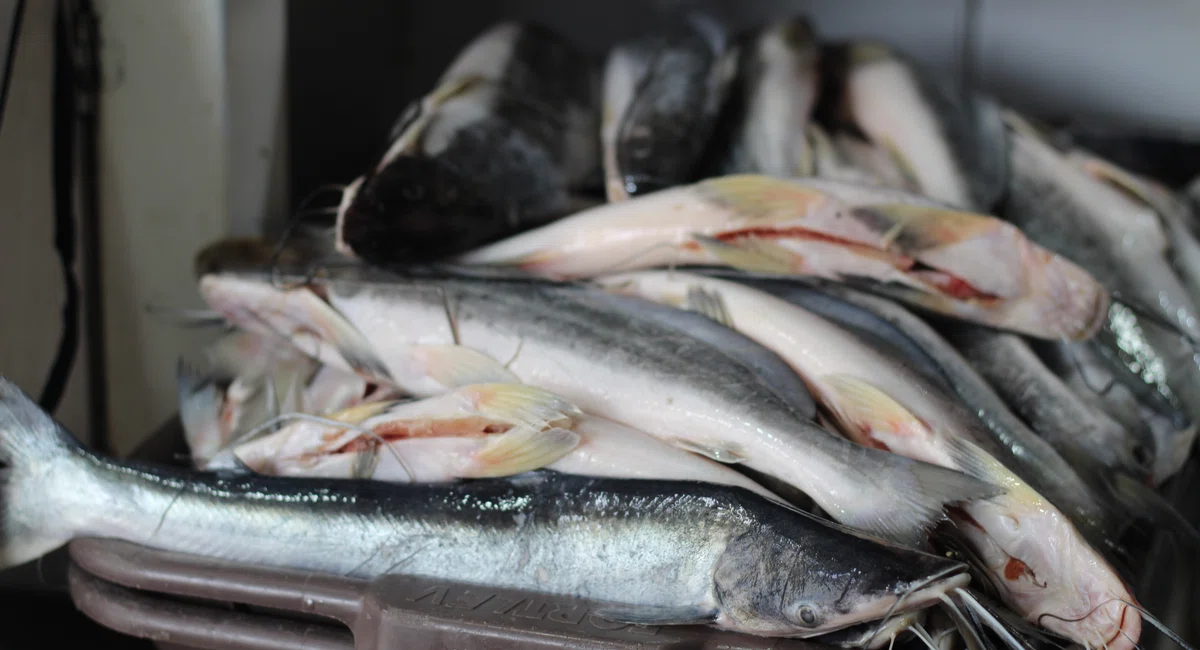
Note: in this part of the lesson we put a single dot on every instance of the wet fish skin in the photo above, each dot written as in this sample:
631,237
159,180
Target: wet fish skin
660,370
1032,552
1091,377
1080,434
953,144
890,327
499,145
1068,211
1183,249
663,131
718,554
770,103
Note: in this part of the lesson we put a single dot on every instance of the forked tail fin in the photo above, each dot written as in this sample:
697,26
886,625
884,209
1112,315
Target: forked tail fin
33,450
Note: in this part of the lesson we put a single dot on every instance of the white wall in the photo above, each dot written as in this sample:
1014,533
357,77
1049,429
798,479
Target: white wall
31,284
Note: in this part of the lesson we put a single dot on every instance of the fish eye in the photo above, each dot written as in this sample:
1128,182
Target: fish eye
807,615
1140,454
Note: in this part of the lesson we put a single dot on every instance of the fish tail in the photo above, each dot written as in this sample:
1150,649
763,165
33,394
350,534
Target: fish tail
913,494
200,402
34,449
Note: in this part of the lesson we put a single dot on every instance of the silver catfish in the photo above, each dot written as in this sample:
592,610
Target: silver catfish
674,375
662,552
1033,554
1081,434
1122,244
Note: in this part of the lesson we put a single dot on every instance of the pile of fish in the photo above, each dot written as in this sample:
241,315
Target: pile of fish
784,336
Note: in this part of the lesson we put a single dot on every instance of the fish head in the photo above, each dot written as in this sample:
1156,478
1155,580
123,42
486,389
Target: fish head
1045,570
804,581
414,209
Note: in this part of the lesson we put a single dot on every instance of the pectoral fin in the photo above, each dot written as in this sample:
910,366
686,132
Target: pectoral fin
650,615
762,197
865,410
454,365
749,254
718,451
520,450
524,405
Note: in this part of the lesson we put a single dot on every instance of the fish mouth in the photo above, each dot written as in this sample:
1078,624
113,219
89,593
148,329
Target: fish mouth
925,593
922,594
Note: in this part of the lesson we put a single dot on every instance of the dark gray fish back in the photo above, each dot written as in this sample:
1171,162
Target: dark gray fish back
667,125
508,171
773,372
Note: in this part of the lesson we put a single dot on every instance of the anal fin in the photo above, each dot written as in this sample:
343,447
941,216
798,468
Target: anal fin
520,450
749,254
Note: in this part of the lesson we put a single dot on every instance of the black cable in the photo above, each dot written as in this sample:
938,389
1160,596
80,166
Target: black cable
63,148
11,55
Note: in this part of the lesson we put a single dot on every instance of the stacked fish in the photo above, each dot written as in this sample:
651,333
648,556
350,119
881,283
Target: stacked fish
750,330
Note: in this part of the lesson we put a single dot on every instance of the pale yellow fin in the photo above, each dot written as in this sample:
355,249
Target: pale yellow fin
867,410
454,365
720,451
453,88
748,254
973,460
759,197
358,413
365,462
914,228
806,161
908,171
1133,186
520,450
524,405
824,154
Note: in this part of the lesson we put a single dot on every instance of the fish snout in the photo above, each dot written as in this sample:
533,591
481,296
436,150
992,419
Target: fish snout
1114,625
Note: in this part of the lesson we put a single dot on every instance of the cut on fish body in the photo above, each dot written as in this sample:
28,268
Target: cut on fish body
915,249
